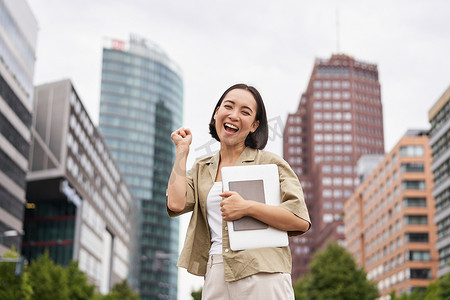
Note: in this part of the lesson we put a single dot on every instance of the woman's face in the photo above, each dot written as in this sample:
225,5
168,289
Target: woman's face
235,117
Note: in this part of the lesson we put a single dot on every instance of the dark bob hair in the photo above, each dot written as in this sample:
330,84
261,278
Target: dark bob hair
257,139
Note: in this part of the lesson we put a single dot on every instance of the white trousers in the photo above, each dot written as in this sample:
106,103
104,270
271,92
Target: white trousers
261,286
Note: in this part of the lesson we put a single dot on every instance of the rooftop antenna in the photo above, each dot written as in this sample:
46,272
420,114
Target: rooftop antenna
337,31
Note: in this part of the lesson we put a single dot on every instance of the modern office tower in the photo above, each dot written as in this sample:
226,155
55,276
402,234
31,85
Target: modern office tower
389,225
18,34
78,204
141,104
439,116
339,118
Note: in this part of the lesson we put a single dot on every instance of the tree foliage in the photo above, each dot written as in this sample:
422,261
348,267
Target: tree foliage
438,290
197,295
78,286
12,286
335,275
121,291
43,279
49,281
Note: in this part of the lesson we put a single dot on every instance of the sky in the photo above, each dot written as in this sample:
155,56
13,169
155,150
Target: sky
271,45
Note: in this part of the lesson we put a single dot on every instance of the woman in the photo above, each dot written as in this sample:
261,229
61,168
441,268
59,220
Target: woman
239,123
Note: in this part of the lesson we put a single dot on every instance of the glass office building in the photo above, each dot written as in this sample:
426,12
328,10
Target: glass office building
18,34
141,104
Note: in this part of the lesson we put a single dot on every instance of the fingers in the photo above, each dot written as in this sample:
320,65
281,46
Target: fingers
226,194
183,132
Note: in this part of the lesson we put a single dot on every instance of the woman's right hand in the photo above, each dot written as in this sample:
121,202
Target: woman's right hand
182,138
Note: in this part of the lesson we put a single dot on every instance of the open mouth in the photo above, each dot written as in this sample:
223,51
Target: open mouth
230,128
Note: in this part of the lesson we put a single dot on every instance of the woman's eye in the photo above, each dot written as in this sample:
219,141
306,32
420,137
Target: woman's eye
227,106
246,113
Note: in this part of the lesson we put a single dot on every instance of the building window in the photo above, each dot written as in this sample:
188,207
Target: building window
413,185
328,218
415,219
412,150
337,127
337,194
418,255
326,181
326,169
420,273
413,237
337,169
412,167
327,193
414,202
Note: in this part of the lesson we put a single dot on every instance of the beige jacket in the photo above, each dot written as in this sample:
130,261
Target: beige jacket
237,264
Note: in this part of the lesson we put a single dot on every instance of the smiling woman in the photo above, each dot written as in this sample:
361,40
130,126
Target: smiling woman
239,123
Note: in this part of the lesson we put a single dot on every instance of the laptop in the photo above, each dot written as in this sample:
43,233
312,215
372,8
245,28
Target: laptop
259,183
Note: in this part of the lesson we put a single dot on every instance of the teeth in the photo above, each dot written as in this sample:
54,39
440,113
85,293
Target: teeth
231,126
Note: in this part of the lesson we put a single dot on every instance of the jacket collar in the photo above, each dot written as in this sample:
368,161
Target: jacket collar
248,155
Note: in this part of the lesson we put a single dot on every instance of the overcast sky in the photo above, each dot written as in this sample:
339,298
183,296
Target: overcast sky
269,44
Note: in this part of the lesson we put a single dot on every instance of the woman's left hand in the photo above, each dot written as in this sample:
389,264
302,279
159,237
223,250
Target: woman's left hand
233,206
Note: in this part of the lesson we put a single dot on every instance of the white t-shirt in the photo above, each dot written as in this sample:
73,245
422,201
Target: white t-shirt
214,217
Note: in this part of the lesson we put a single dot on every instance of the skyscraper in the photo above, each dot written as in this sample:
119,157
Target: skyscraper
339,118
141,104
18,34
439,116
389,219
78,204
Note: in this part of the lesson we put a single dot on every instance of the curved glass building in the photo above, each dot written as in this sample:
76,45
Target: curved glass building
141,104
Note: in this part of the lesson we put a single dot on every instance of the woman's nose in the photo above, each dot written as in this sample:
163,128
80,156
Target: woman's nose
233,114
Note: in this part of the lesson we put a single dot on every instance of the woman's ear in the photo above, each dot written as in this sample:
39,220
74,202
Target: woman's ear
255,126
215,113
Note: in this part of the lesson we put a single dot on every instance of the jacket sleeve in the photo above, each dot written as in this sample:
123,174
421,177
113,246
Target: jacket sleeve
190,193
292,197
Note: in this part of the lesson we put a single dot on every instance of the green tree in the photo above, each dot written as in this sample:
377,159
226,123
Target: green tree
197,295
121,291
335,275
49,281
12,286
301,288
78,286
432,291
444,287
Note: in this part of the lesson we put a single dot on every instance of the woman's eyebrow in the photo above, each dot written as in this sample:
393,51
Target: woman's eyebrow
231,101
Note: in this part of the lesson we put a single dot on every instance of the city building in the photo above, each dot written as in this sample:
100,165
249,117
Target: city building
339,118
78,204
141,104
18,35
439,116
389,224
